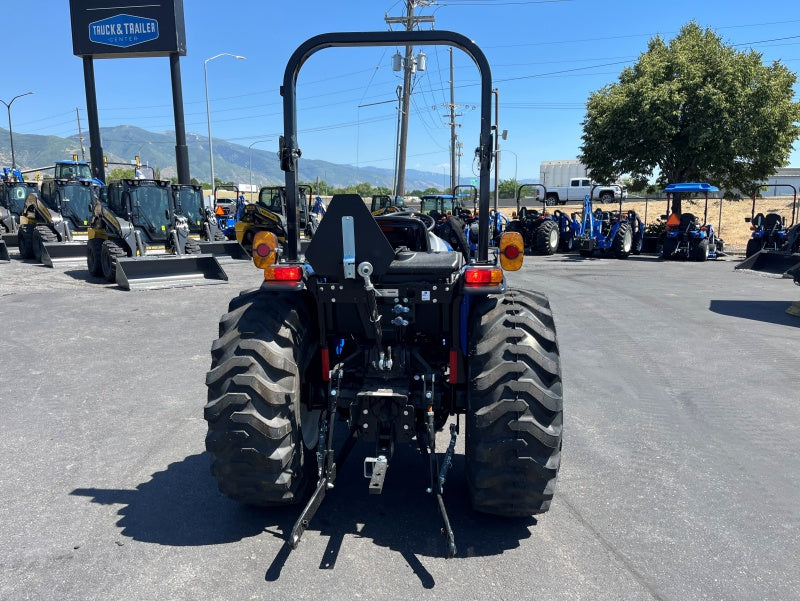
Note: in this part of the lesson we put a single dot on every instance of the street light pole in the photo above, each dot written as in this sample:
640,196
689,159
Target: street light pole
208,111
10,133
250,157
515,164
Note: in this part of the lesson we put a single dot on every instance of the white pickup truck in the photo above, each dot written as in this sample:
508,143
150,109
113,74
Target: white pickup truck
579,187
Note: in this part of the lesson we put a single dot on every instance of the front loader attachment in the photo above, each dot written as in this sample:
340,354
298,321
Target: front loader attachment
168,271
225,249
4,251
771,261
63,252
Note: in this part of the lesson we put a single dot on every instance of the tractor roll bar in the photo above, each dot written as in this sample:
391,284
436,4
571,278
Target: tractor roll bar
290,152
794,199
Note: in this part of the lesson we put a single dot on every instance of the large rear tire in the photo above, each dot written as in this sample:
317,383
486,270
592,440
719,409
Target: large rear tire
700,250
255,394
41,235
514,416
109,253
623,241
547,238
94,249
753,246
25,241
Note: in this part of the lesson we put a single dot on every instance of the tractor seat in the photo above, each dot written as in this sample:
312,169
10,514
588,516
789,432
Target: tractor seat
403,231
409,265
772,221
687,220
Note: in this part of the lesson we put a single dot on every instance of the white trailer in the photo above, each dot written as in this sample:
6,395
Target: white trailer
559,173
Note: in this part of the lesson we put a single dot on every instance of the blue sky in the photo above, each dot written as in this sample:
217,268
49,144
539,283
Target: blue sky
546,58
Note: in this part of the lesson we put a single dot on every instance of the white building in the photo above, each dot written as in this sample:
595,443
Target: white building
788,176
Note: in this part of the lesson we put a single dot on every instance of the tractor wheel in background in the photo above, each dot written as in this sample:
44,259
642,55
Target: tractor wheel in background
109,252
41,235
93,251
638,243
568,242
192,247
261,449
700,250
514,406
669,248
622,244
753,246
25,241
547,238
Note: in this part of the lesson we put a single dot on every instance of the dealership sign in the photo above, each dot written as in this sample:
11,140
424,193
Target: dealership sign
123,31
127,28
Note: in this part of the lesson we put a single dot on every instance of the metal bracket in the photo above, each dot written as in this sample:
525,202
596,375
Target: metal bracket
348,247
375,469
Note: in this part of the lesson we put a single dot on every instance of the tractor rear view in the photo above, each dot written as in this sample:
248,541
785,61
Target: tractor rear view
380,329
687,237
614,233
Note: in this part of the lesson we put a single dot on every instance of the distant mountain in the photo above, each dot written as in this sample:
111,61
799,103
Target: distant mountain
232,162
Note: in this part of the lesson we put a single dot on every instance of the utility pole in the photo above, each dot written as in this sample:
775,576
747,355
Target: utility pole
80,134
452,128
409,66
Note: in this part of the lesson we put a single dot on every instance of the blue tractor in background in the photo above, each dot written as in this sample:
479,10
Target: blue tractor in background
542,231
769,232
616,233
228,210
687,237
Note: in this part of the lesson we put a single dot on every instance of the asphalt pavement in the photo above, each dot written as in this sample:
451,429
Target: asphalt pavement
679,479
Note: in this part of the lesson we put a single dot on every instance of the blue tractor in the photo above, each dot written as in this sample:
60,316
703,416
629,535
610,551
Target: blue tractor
687,237
616,233
543,231
769,232
228,210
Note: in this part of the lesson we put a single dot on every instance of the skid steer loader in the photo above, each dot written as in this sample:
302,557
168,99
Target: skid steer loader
269,213
13,192
137,241
187,200
48,230
72,199
379,329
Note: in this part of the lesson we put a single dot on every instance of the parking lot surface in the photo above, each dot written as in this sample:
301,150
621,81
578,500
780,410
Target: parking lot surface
679,475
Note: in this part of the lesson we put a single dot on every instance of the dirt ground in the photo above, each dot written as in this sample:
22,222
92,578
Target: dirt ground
731,226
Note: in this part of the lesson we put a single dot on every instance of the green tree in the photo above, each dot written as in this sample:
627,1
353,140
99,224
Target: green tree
693,109
120,174
507,188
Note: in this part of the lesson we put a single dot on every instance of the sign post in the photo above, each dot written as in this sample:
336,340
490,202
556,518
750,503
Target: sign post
130,29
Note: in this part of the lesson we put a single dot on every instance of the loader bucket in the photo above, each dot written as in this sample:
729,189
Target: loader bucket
770,261
226,249
169,271
63,252
11,239
4,251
